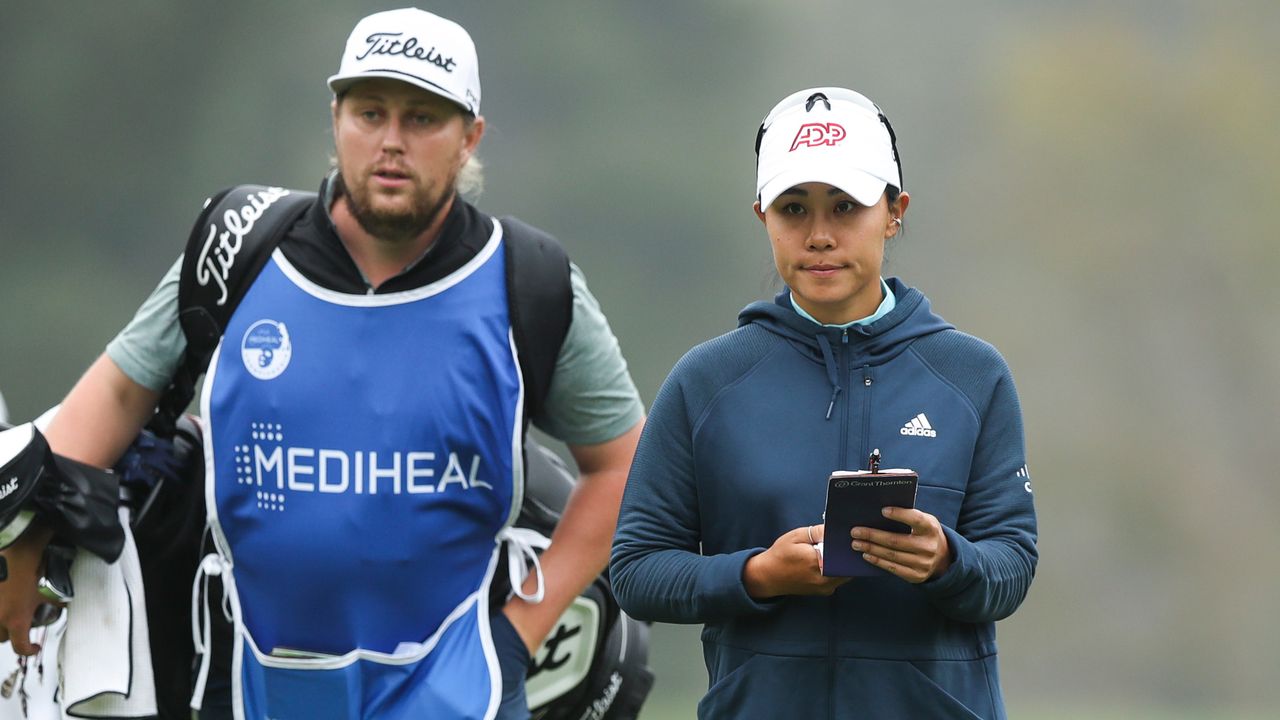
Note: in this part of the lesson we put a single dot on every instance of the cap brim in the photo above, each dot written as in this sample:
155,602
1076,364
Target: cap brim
342,83
863,187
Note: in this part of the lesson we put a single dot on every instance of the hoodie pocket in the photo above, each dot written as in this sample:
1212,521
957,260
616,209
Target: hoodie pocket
767,687
956,690
940,502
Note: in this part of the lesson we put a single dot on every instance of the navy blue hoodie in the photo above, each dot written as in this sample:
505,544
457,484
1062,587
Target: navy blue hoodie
736,452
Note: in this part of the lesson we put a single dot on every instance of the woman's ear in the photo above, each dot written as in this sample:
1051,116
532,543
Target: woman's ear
759,213
899,207
897,210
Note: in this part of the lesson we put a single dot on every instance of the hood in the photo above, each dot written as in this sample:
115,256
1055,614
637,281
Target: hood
873,344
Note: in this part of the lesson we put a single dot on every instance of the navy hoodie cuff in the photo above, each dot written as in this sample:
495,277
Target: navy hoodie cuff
735,599
963,568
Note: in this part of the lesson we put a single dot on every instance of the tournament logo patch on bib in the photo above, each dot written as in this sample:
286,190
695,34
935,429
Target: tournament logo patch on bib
266,349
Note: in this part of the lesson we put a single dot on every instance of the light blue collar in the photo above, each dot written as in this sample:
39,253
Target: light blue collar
886,306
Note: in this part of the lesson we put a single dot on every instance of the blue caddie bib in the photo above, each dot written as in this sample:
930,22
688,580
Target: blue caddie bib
363,456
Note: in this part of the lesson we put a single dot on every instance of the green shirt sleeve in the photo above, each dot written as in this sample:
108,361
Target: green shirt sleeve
592,397
150,347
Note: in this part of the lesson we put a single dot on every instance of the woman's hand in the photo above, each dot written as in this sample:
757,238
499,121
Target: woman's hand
920,556
791,566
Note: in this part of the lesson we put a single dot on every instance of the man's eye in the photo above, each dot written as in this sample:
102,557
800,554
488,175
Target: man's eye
423,119
369,115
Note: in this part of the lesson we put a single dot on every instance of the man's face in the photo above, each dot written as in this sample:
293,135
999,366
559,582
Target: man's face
399,151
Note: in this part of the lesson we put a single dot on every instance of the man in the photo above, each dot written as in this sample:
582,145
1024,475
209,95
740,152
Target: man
368,373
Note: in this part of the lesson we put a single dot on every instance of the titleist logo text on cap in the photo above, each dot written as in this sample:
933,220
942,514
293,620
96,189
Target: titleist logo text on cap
386,43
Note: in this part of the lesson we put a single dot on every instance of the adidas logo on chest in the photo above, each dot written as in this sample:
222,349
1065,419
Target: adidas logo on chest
918,426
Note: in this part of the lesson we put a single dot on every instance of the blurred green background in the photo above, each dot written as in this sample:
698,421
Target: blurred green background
1094,191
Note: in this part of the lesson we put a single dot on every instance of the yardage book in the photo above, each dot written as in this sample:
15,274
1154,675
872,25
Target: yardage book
854,499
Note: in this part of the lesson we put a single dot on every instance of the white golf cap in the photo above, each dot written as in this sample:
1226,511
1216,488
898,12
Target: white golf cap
417,47
829,135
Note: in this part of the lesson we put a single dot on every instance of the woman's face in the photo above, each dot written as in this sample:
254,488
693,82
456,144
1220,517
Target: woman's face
828,248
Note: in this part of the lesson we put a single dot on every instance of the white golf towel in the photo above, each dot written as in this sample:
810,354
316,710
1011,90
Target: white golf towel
105,656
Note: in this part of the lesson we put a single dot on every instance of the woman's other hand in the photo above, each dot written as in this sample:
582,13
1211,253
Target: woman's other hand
791,566
922,555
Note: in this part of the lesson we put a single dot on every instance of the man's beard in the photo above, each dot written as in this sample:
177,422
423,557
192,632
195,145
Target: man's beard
386,225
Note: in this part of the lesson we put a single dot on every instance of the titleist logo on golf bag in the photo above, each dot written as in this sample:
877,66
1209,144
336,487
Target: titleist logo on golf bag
601,705
215,261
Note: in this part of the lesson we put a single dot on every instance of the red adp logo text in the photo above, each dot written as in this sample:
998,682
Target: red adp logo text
817,134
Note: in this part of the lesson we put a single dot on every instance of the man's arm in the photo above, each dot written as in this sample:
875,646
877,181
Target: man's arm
95,424
100,417
580,544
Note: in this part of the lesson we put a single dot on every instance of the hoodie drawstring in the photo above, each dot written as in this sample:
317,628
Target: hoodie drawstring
832,377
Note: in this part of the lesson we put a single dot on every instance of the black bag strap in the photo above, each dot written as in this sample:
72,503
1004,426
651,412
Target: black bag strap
540,299
240,227
231,241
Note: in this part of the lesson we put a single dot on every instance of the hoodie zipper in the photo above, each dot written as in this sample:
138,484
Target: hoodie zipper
865,438
864,450
843,463
832,613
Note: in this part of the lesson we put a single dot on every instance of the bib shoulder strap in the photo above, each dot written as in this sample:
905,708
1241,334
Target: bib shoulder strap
231,241
540,297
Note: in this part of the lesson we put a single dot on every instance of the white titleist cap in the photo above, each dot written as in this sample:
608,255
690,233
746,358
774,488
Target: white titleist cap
829,135
417,47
